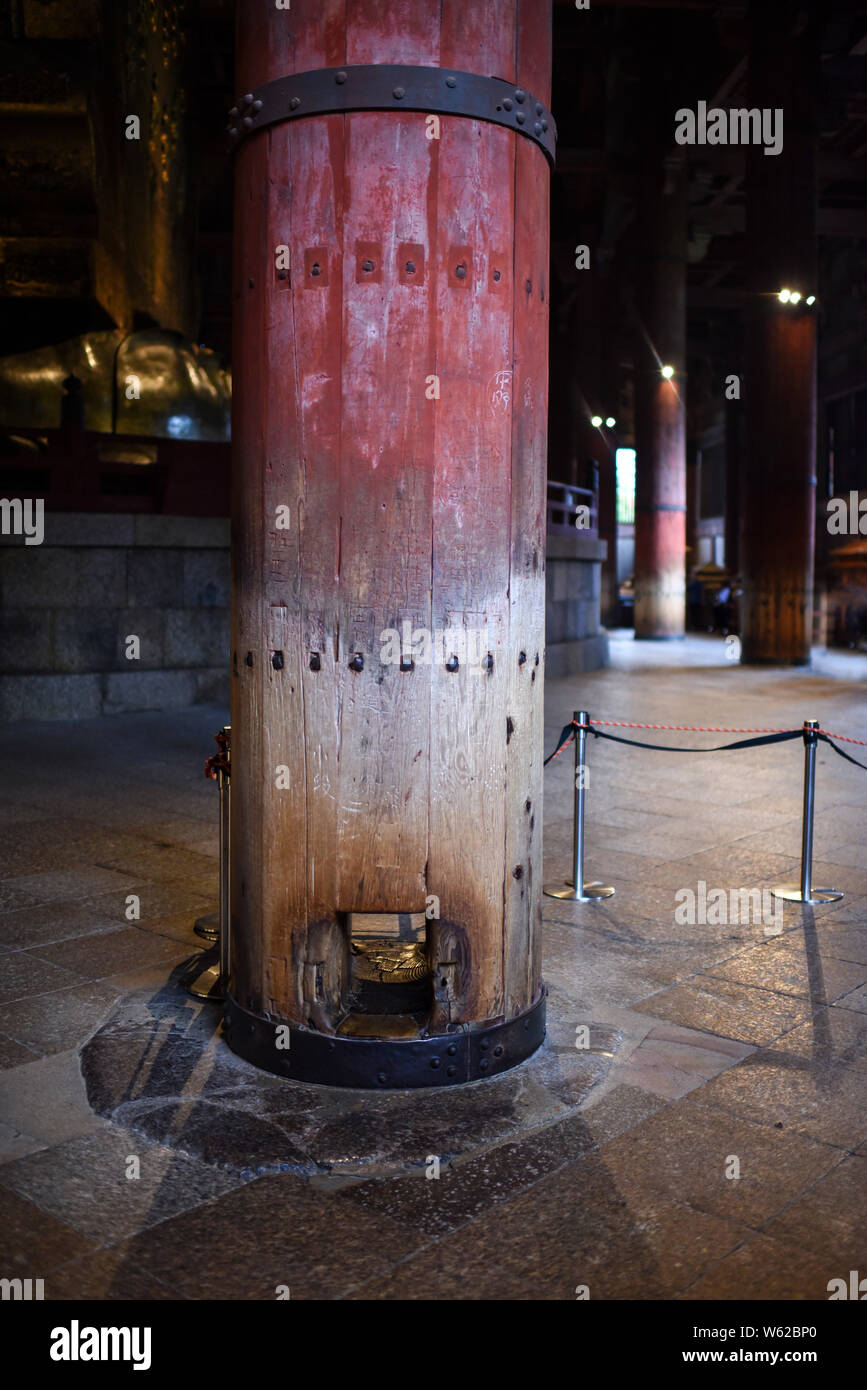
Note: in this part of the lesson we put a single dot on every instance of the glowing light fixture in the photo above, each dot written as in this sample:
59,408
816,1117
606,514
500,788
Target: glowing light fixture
784,296
795,297
611,422
596,421
811,299
668,373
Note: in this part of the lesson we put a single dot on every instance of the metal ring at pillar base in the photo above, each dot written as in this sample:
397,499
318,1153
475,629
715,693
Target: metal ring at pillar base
382,1064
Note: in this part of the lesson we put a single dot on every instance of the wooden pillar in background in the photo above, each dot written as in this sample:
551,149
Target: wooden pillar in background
734,484
779,485
593,366
390,392
660,409
693,504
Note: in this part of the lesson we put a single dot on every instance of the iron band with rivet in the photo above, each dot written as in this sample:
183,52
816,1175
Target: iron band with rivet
390,87
448,1059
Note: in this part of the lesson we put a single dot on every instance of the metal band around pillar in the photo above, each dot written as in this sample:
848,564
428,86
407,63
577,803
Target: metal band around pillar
447,1059
392,87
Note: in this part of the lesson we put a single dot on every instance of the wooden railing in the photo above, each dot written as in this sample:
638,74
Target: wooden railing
563,503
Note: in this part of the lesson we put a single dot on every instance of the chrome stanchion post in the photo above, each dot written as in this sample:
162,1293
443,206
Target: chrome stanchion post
224,785
804,892
207,977
577,890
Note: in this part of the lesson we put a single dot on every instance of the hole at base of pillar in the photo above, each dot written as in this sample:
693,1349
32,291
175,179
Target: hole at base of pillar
390,992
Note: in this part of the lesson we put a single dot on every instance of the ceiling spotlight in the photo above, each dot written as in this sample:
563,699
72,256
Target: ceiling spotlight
811,299
668,373
611,422
596,421
795,297
784,296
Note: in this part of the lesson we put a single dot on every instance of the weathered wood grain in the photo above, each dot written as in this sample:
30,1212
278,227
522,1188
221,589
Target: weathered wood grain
408,503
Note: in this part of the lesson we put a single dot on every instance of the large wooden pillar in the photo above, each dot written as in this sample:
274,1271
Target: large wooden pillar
779,485
660,409
390,379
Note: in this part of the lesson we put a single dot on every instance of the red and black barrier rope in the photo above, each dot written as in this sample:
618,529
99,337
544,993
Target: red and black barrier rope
767,736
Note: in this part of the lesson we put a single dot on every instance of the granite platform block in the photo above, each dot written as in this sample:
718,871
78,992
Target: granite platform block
85,639
130,691
196,637
101,577
206,579
104,529
206,532
50,697
26,639
155,578
33,577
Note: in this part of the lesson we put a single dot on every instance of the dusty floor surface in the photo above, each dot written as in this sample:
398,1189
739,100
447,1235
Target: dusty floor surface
709,1142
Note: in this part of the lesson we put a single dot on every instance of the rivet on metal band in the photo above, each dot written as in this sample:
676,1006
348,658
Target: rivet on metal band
383,1063
389,87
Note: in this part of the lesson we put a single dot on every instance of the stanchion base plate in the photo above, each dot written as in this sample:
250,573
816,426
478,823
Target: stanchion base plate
589,893
202,978
208,926
792,894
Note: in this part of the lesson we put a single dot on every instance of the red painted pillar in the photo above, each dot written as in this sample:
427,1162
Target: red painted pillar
779,483
390,396
660,410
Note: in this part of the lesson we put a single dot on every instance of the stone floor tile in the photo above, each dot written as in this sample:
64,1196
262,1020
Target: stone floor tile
763,1270
69,885
688,1150
110,953
46,1099
55,1022
23,975
106,1276
790,1092
830,1218
30,928
266,1234
14,1144
32,1241
789,966
856,999
672,1061
732,1010
84,1183
14,1053
577,1227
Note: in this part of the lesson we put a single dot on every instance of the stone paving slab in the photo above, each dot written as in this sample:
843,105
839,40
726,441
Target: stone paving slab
732,1010
764,1270
266,1234
86,1184
579,1227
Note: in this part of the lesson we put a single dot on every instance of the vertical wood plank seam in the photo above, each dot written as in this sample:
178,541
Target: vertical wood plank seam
302,460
